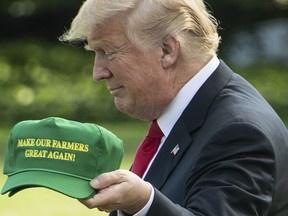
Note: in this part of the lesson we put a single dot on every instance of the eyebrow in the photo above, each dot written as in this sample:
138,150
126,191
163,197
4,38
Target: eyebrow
104,45
98,44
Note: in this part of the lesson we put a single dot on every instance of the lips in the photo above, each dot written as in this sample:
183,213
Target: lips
115,90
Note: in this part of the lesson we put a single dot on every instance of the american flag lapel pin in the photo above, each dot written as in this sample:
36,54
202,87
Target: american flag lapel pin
175,150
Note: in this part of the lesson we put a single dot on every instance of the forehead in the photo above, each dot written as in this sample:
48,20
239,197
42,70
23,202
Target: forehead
111,32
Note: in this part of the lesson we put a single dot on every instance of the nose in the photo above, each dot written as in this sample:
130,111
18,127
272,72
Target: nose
100,70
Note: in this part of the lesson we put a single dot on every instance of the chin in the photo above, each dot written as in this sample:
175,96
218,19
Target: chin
123,106
128,107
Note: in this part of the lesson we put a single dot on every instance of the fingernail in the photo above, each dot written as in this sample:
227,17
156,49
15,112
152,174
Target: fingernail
94,183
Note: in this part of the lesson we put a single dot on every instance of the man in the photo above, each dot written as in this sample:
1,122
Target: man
223,150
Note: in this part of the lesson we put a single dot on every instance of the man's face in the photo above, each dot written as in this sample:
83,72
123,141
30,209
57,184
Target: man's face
137,80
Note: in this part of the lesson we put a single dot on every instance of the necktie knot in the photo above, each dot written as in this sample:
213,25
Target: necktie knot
155,131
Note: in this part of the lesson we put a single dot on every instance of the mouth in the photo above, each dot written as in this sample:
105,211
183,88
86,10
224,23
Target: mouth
115,90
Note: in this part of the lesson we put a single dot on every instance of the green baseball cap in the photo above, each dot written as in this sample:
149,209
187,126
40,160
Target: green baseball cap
59,154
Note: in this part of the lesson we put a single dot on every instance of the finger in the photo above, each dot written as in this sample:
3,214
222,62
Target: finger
119,189
106,186
104,200
107,179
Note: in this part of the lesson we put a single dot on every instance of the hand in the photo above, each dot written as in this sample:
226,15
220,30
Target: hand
119,190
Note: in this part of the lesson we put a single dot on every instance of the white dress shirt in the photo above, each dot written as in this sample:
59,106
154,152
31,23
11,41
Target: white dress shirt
172,113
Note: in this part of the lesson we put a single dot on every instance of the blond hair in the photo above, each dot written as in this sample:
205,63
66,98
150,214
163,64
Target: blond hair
151,22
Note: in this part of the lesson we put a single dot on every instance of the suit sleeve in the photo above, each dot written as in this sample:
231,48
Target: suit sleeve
233,175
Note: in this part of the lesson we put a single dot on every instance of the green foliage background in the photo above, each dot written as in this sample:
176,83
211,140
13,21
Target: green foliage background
40,79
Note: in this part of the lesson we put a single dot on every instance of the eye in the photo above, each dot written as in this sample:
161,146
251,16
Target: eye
109,55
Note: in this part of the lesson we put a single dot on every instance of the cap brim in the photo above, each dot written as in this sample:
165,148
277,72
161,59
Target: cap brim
71,186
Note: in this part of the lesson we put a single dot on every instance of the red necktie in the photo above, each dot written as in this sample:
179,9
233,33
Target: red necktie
147,149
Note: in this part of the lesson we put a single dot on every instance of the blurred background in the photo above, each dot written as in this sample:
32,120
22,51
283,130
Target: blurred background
40,77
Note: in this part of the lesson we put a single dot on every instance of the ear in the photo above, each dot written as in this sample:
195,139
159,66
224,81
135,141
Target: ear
170,52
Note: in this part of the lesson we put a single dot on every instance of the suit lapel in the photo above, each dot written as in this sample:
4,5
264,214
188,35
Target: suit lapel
167,156
192,118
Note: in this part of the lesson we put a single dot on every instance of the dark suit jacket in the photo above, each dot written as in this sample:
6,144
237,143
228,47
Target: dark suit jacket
232,159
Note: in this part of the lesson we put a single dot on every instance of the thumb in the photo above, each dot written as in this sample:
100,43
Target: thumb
104,180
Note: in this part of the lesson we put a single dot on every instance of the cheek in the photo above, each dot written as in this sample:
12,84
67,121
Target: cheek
132,75
141,77
142,96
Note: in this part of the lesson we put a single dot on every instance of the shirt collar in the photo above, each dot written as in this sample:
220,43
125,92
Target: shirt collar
174,110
